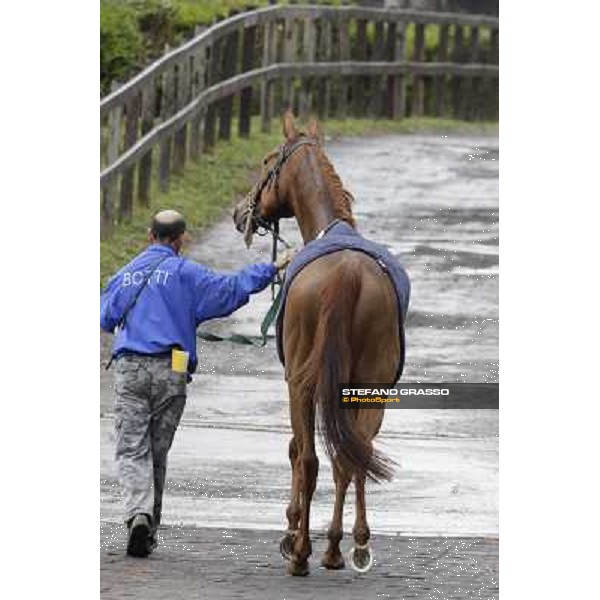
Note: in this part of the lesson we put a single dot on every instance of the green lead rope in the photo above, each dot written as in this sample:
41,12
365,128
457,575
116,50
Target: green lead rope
253,340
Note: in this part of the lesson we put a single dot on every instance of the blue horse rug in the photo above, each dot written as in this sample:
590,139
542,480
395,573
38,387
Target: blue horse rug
341,236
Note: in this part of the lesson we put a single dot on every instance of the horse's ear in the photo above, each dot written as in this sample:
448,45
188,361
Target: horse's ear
313,129
289,129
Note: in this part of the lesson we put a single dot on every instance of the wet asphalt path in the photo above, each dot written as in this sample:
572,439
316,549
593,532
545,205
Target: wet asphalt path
434,201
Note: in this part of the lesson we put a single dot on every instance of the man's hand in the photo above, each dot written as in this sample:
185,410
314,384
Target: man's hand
284,260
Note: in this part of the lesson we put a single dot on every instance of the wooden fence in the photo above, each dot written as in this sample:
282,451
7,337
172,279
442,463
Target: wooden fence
333,61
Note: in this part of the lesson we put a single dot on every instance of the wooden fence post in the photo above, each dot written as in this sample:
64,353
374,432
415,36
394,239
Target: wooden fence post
318,83
376,104
494,52
198,84
274,54
473,86
109,193
294,58
322,47
229,70
246,93
327,50
344,56
166,110
358,82
399,81
214,66
334,56
418,92
145,164
289,56
457,57
266,86
441,80
388,81
308,55
183,99
131,132
278,52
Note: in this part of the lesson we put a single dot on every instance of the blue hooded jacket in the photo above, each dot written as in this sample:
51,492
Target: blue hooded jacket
179,295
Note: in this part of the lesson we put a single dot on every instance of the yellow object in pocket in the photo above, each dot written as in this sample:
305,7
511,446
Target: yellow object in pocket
179,361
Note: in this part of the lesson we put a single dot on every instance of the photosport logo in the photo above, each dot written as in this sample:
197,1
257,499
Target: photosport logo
419,395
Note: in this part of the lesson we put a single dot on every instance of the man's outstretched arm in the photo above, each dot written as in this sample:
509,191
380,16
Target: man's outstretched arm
220,294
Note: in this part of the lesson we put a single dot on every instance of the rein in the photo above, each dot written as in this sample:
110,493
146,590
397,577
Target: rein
248,340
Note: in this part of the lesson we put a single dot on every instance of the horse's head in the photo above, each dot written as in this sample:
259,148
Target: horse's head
269,200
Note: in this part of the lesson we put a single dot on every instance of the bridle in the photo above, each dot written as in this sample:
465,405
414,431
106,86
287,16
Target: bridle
254,222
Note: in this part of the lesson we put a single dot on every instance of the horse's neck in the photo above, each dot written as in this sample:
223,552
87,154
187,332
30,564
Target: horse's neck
313,209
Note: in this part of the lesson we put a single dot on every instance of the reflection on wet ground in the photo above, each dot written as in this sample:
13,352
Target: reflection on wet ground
433,200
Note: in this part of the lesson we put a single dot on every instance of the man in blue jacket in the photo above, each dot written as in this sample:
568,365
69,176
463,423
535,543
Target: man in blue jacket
153,305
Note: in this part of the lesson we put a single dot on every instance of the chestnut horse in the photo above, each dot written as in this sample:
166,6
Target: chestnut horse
340,326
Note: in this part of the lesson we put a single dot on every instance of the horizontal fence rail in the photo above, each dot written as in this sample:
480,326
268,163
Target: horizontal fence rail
335,61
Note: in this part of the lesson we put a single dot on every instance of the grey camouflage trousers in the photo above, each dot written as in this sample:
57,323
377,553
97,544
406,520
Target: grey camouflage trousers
149,402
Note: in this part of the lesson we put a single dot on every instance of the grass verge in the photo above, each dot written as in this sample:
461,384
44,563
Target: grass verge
207,187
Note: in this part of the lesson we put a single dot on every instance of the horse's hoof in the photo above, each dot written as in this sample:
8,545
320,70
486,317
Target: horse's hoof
333,562
286,546
297,569
361,558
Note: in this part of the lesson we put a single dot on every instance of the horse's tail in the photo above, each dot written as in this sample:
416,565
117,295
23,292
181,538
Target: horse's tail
331,363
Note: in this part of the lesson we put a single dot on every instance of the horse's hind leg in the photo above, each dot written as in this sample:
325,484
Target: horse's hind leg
333,559
293,509
361,556
307,464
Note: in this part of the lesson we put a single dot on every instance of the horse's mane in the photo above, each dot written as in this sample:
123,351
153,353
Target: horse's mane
342,198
